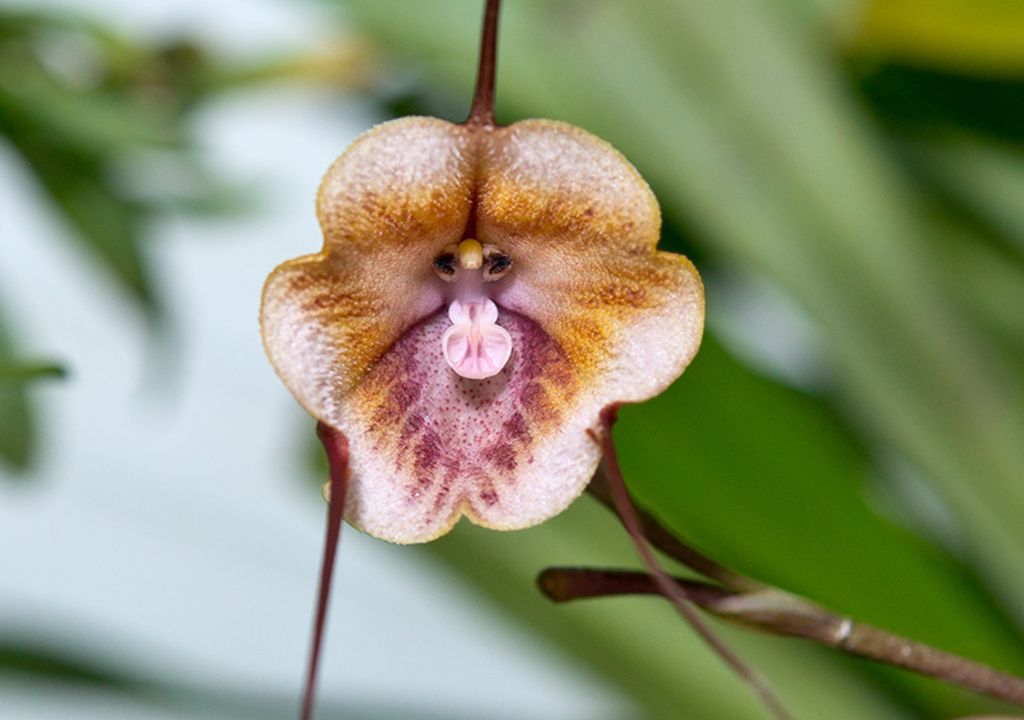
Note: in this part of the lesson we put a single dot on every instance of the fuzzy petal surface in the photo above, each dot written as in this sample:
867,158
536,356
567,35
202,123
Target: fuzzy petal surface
595,314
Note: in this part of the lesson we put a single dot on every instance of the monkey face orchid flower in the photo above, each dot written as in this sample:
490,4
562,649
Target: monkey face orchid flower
481,295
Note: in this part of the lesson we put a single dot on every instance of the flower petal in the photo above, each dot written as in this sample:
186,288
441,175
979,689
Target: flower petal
438,445
582,227
398,194
594,313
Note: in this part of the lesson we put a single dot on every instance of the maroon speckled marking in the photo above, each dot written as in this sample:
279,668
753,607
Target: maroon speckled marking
428,451
456,440
443,491
516,429
412,425
398,398
501,455
405,394
534,399
488,495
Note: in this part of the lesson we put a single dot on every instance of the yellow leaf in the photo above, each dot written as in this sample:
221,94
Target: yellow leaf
974,36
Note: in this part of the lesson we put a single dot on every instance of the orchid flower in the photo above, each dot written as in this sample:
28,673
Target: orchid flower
482,293
484,297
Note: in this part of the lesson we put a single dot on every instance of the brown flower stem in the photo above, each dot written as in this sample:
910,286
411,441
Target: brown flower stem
666,585
658,536
565,584
481,113
336,447
782,613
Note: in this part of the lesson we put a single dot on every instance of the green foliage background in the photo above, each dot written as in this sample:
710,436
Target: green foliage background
864,161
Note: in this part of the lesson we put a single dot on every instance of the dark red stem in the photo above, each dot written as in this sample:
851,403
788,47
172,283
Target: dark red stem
663,539
336,448
666,585
481,114
566,584
780,613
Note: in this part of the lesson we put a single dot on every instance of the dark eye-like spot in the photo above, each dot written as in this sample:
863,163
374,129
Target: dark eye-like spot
498,264
444,265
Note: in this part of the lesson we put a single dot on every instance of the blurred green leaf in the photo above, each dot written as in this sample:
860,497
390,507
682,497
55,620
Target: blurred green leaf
639,644
17,416
93,122
88,109
985,178
40,668
25,659
349,64
927,100
109,225
769,479
17,437
85,108
30,371
976,187
985,36
992,288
